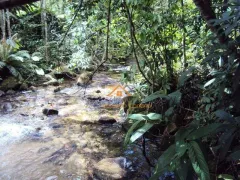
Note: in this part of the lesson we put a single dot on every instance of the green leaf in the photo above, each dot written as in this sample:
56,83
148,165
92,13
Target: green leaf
137,134
150,116
185,76
153,96
198,161
180,139
225,177
154,116
235,155
36,58
130,131
205,131
182,169
169,112
163,162
209,82
2,64
225,142
40,72
175,97
138,117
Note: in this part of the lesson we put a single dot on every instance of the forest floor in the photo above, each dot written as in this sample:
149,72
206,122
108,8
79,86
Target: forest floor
84,141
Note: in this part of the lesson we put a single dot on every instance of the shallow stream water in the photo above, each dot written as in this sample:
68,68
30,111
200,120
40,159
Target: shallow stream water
66,146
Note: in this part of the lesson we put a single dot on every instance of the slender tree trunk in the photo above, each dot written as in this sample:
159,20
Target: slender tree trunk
184,37
44,27
108,29
3,24
8,24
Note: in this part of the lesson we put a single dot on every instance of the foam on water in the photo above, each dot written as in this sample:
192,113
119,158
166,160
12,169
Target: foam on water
10,132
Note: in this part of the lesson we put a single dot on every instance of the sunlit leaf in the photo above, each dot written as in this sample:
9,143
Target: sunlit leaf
209,82
137,134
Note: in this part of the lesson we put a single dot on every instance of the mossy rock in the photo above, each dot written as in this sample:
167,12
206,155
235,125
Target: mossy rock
9,83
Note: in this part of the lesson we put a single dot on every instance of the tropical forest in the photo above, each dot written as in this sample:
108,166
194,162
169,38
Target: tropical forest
119,89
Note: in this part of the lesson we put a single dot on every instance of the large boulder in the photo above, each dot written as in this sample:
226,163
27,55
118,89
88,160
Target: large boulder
111,168
9,83
84,79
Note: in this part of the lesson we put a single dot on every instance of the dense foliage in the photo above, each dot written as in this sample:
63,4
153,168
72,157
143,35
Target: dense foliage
186,54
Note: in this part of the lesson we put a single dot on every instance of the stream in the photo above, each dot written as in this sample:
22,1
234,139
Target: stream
79,143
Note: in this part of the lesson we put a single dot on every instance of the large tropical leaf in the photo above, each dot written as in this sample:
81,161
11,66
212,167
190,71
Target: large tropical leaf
198,161
185,76
131,130
225,142
154,96
137,134
235,155
163,162
2,64
150,116
205,131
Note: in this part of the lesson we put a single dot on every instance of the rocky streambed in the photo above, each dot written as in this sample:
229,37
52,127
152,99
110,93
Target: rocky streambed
83,140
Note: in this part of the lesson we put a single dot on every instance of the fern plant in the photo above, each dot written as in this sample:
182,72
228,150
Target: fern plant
19,63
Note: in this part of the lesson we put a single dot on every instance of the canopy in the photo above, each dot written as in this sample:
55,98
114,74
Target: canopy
12,3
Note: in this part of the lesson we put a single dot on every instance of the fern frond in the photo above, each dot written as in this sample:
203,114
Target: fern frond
24,54
14,72
2,64
198,161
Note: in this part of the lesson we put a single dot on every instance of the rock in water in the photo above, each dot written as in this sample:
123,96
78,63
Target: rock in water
10,92
111,168
98,91
62,154
7,107
52,178
107,120
23,87
2,93
84,79
9,83
49,112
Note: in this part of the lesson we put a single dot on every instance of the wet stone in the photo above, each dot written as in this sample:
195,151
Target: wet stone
107,120
7,107
2,93
23,87
57,89
62,102
62,154
111,168
94,98
10,92
44,149
56,126
49,112
52,178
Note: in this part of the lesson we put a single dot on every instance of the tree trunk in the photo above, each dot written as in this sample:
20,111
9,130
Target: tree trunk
208,14
3,24
8,24
44,27
184,37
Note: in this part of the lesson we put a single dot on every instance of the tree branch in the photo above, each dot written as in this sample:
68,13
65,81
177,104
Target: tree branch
132,32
